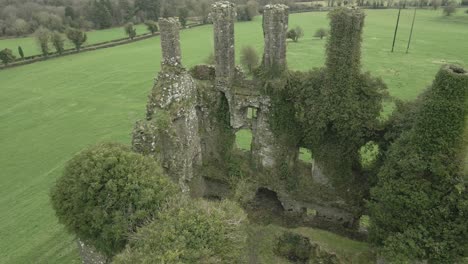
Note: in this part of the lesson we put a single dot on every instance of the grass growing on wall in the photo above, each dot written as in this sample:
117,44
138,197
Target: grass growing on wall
50,110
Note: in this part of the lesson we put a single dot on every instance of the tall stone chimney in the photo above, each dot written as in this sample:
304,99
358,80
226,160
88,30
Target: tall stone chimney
170,41
275,28
224,14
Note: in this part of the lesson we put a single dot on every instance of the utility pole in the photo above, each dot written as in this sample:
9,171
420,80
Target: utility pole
396,28
411,32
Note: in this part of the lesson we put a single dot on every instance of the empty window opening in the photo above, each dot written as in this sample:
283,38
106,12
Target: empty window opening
305,155
244,139
251,113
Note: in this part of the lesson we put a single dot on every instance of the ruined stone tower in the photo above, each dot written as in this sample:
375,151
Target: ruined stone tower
170,132
193,116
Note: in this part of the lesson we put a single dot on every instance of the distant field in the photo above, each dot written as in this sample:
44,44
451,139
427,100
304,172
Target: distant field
30,46
52,109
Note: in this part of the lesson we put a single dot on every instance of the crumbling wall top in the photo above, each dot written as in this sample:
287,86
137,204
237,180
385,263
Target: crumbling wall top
279,7
170,41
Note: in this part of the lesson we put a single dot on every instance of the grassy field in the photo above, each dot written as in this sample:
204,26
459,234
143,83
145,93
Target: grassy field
50,110
30,46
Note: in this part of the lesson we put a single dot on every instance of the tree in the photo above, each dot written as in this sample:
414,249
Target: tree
299,32
292,35
450,8
151,26
106,192
249,58
130,30
248,11
321,33
419,206
191,232
7,56
20,52
436,4
58,42
43,37
101,13
204,10
77,37
183,16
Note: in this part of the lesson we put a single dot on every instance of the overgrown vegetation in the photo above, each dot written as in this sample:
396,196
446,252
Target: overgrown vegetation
77,37
419,206
6,55
191,232
106,192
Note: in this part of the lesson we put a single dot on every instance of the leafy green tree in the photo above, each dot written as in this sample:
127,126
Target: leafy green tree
191,232
292,35
43,38
321,33
58,41
101,13
151,8
20,52
130,30
450,8
106,192
249,58
299,32
419,206
152,26
77,37
183,16
6,55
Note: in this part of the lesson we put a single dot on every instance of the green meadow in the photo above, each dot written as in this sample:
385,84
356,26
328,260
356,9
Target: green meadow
50,110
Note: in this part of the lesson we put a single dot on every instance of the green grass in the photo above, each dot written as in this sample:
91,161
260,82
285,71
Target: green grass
30,46
52,109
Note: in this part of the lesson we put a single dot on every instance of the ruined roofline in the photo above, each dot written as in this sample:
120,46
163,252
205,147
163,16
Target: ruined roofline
170,41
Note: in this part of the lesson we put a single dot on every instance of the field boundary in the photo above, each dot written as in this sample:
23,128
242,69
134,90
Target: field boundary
91,47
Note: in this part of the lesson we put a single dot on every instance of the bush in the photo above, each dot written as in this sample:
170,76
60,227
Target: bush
77,37
450,8
43,37
58,42
130,30
294,247
295,34
321,33
7,56
21,52
183,16
247,12
106,192
249,58
191,232
151,26
419,206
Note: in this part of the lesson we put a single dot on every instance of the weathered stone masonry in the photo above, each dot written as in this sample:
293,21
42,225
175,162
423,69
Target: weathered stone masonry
192,119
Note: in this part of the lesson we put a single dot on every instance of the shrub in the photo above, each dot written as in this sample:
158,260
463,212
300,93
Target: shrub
130,30
20,52
77,37
419,206
151,26
450,8
58,42
7,56
294,247
106,192
295,34
321,33
43,37
183,16
191,232
249,58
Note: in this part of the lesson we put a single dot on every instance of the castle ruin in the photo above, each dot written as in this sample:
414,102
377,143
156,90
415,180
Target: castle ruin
193,115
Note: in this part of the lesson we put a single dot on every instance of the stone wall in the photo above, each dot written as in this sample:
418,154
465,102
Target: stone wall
275,29
170,41
192,119
223,15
